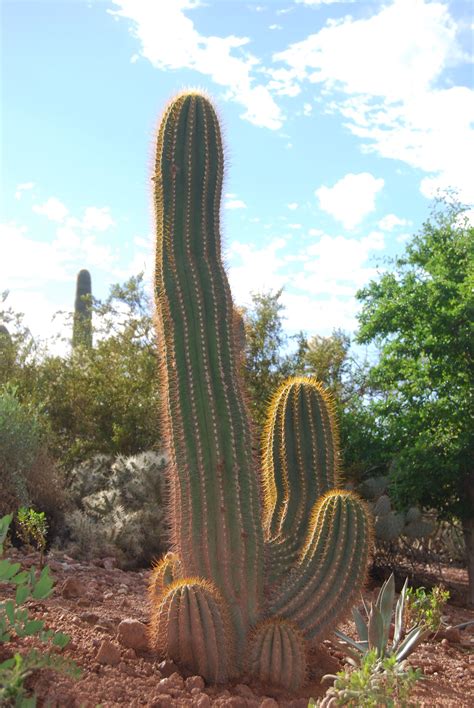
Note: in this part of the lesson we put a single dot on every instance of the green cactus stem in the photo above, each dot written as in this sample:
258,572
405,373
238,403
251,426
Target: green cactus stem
165,572
308,538
82,323
300,464
191,626
330,573
215,517
278,655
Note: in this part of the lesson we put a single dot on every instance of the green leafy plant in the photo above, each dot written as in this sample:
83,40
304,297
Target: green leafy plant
377,682
425,608
374,631
33,528
16,620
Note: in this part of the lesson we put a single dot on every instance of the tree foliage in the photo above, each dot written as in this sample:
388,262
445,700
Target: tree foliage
420,314
267,360
97,400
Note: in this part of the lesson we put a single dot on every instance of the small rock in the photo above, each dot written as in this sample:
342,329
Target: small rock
84,602
235,702
163,701
108,653
89,617
203,701
133,634
269,703
105,625
244,691
164,685
167,667
109,563
194,682
122,591
72,588
433,669
452,634
108,595
130,654
176,680
445,642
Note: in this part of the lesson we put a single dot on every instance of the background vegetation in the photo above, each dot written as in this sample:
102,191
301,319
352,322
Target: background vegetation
406,414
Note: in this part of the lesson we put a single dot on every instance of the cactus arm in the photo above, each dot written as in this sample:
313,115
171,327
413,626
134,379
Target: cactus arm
190,625
300,464
215,499
277,655
332,566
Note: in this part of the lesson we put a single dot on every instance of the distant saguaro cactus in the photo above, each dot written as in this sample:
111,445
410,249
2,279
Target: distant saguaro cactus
261,565
82,324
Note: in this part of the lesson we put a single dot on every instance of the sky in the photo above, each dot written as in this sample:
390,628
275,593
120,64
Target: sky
341,120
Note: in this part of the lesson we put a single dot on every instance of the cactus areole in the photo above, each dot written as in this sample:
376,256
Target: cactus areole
235,530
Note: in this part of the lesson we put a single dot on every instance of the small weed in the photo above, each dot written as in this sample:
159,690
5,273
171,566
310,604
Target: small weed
425,608
32,529
377,682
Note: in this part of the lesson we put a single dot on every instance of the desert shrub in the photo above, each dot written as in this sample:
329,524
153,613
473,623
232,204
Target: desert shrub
28,476
20,443
118,508
426,607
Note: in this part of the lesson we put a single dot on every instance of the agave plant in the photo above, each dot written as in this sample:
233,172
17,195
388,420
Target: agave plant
375,630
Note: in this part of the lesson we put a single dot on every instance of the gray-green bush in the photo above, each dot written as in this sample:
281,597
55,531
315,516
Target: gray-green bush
118,507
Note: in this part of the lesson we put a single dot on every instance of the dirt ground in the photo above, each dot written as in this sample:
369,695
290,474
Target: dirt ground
104,610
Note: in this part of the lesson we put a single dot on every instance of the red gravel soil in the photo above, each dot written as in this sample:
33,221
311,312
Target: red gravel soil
104,610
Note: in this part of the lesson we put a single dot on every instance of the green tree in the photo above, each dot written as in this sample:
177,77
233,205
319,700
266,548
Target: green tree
101,399
420,314
267,361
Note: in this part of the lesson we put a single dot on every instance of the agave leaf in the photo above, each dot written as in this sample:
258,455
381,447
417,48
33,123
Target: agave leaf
399,615
385,605
360,646
360,624
410,642
376,631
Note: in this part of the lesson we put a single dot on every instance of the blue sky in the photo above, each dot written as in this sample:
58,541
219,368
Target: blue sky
341,120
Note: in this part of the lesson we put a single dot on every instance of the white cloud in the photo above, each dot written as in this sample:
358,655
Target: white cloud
385,76
351,198
20,188
97,219
323,2
169,40
234,204
292,206
319,315
294,226
275,27
390,222
338,265
307,109
319,280
259,269
53,209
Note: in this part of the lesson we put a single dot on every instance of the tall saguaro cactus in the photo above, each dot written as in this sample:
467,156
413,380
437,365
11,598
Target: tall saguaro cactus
82,323
233,535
